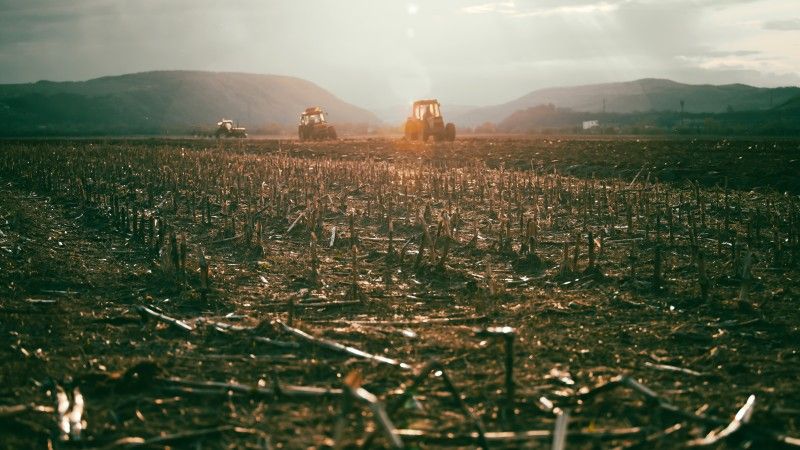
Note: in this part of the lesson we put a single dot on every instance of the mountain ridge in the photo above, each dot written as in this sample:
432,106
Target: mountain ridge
166,101
642,95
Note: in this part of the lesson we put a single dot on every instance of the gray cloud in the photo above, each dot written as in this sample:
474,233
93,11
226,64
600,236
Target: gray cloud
717,53
782,25
383,53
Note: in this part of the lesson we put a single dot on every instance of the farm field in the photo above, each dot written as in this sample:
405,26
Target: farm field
495,292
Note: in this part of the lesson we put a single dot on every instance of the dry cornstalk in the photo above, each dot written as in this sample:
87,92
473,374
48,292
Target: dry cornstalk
177,323
746,277
313,276
352,384
341,348
702,276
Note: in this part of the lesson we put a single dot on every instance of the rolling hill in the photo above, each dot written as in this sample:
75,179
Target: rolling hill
164,102
639,96
793,104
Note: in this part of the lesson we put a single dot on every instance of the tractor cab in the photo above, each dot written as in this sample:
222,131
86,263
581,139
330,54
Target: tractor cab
426,109
312,116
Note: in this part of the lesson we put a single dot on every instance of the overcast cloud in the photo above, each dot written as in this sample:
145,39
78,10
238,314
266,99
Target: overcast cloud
382,53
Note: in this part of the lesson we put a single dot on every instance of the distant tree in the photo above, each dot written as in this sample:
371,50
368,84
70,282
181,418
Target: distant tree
486,128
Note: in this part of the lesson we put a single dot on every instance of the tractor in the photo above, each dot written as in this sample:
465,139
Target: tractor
314,126
225,128
426,121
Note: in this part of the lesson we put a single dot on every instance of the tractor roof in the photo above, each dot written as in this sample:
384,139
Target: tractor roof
312,110
432,101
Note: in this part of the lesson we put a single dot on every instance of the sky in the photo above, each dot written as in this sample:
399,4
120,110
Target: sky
382,53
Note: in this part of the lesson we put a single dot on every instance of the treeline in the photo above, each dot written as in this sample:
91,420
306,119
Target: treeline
548,119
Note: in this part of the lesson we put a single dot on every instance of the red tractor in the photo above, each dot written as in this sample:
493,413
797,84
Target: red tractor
426,120
314,126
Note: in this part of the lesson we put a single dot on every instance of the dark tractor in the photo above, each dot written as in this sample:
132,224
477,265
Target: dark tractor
225,128
426,121
314,126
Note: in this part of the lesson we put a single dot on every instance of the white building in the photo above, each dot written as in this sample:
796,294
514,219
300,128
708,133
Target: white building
589,124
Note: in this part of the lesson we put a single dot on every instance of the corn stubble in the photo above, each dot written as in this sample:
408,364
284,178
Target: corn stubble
327,235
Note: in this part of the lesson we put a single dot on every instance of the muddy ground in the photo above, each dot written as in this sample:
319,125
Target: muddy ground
74,275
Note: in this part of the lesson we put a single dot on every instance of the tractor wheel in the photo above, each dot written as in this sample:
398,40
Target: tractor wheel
410,132
300,133
332,133
426,132
450,132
